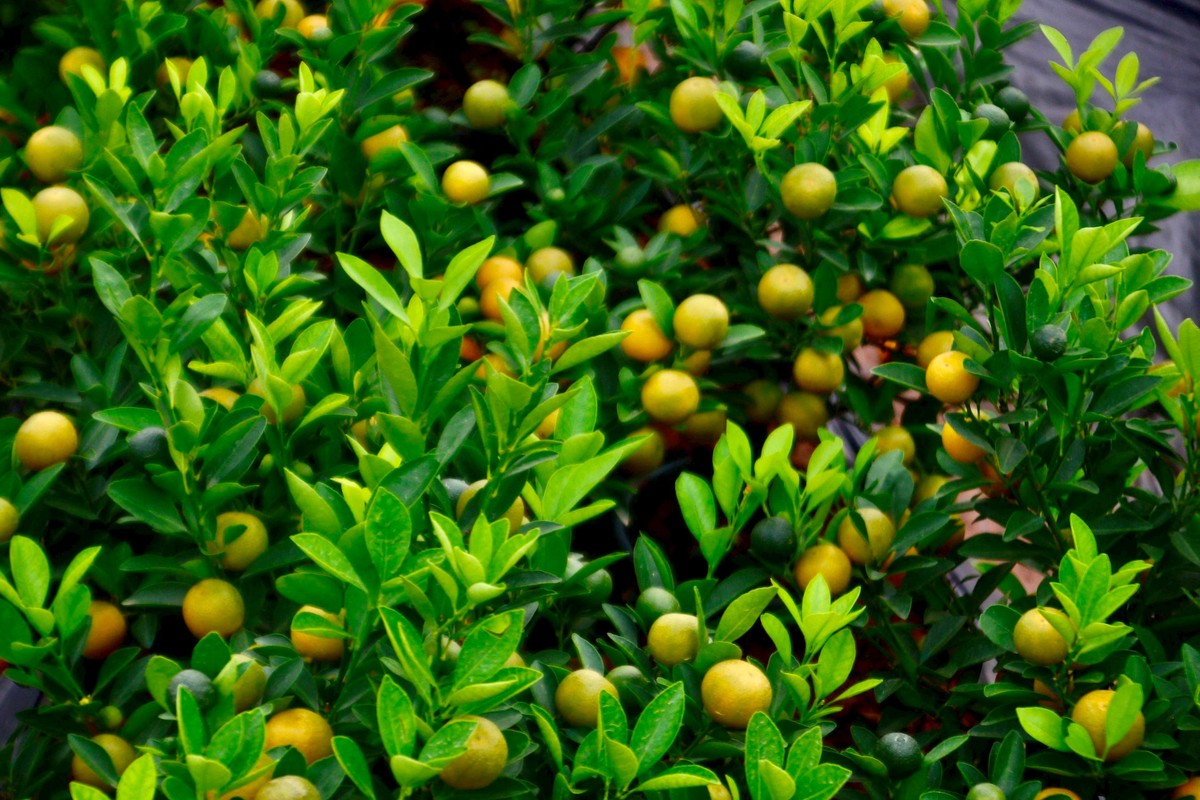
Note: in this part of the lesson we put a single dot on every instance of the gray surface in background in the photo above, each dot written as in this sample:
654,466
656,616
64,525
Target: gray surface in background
1164,34
13,700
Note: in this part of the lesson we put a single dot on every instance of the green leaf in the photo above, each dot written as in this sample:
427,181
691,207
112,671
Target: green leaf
939,34
231,454
14,632
374,284
903,227
1121,395
30,570
549,733
388,533
612,723
1012,310
37,485
391,83
397,725
697,503
587,349
783,117
805,753
946,747
142,319
22,211
780,636
997,624
569,485
238,743
659,303
159,672
743,612
477,698
417,159
118,209
490,643
622,763
836,661
129,418
81,791
908,375
307,351
192,734
110,286
1126,704
409,649
403,241
764,745
1043,725
147,504
409,772
196,320
1083,538
651,566
679,777
141,138
462,269
983,261
318,514
1060,44
821,783
658,726
1096,272
779,784
206,773
1186,196
448,743
1131,309
95,757
1008,760
297,313
524,84
396,374
319,626
328,557
1080,742
77,569
354,763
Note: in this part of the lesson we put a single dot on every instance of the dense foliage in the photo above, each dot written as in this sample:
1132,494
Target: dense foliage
617,399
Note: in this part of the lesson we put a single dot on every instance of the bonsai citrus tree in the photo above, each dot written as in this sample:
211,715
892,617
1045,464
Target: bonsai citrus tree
618,399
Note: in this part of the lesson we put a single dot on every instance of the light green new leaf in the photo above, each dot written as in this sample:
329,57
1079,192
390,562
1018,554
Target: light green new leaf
139,780
1044,725
403,241
461,271
374,284
682,776
30,569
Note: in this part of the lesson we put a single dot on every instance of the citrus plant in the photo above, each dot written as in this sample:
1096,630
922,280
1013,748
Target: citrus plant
615,399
